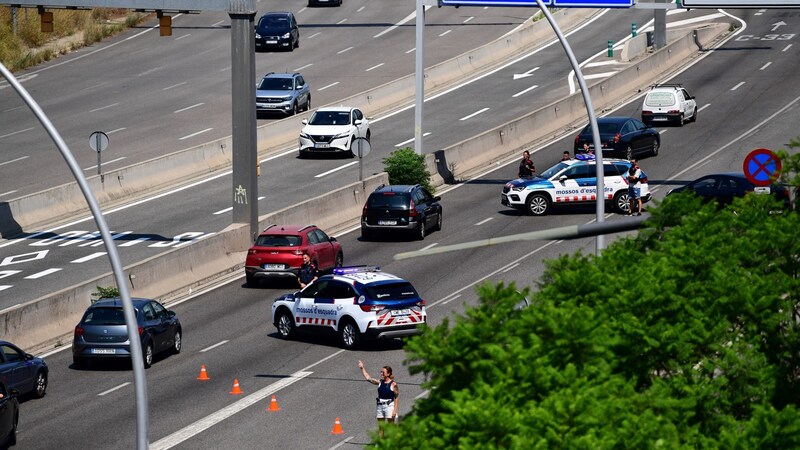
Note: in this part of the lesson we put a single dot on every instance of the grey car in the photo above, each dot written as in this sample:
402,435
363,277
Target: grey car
22,371
282,93
102,334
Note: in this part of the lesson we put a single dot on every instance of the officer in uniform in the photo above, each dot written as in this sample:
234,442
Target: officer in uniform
308,272
526,168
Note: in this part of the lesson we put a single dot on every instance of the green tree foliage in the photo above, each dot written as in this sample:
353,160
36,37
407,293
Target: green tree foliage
790,172
404,166
684,336
106,292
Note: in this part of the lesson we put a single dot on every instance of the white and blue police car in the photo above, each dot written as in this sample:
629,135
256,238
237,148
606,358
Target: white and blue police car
354,303
572,182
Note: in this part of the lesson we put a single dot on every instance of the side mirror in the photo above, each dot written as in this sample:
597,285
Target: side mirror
358,122
170,313
13,392
332,239
562,178
437,198
304,121
28,357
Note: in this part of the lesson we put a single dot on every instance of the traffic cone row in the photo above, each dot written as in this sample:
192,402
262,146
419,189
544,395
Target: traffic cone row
273,404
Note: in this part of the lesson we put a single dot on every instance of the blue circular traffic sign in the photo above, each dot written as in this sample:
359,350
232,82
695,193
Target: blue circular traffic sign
762,167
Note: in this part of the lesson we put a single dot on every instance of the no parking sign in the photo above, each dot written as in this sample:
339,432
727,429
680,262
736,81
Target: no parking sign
762,167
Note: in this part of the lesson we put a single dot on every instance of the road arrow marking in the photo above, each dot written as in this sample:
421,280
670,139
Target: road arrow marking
529,73
778,25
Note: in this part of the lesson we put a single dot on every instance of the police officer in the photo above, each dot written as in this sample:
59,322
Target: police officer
526,167
308,272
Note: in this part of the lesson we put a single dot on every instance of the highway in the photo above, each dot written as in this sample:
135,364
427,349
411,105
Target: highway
48,260
747,99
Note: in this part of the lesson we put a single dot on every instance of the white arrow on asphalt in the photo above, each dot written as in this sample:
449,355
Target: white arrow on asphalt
526,74
777,25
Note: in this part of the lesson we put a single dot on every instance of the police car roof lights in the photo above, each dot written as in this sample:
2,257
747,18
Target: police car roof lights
355,269
586,157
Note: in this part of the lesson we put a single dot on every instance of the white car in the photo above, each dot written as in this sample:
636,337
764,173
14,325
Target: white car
571,183
668,103
333,129
353,303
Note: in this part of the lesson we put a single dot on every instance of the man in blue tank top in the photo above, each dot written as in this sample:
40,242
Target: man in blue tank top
387,395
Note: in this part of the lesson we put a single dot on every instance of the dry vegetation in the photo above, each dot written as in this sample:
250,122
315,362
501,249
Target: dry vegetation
29,46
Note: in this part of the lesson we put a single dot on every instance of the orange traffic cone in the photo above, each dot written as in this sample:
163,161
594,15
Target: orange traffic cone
236,389
203,375
337,427
273,405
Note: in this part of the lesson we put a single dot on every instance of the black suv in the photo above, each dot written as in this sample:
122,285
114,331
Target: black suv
277,30
404,208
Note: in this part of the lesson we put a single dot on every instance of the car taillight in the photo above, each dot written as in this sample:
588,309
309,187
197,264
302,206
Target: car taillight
421,303
647,112
79,331
577,138
364,211
371,308
673,111
141,331
617,137
412,209
252,251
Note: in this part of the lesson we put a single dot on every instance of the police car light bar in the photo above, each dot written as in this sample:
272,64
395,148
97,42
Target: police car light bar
355,269
585,157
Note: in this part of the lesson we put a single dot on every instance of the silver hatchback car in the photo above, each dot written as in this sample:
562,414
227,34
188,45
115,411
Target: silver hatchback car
282,93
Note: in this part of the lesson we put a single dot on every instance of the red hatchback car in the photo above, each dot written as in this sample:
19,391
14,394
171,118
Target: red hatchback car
278,252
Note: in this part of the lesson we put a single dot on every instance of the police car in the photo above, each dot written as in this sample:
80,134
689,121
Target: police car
572,182
354,303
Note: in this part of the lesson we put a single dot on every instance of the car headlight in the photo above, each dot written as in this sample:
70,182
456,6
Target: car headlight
518,188
286,36
304,135
258,36
342,135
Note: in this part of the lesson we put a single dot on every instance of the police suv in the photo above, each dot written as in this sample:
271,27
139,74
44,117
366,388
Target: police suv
572,182
355,303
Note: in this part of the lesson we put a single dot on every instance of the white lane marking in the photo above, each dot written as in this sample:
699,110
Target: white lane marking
398,24
174,86
484,221
8,273
510,267
195,134
374,67
662,131
468,19
760,12
787,47
303,67
16,132
223,211
336,169
104,107
89,257
188,108
184,36
410,51
342,443
599,75
524,91
99,241
214,346
217,417
765,65
423,394
114,389
345,50
341,21
450,299
602,63
360,9
474,114
411,140
446,32
527,74
430,246
14,160
738,85
8,193
114,131
703,107
680,23
328,86
41,274
134,242
314,35
103,164
218,23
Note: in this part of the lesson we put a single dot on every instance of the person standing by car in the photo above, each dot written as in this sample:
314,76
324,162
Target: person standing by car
388,393
308,272
565,156
634,187
526,167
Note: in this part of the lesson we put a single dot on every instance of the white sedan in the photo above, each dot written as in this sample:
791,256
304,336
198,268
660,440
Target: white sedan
333,130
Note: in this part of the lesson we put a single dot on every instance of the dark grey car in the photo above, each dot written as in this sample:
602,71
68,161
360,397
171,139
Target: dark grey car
102,334
22,371
282,93
401,208
9,416
277,30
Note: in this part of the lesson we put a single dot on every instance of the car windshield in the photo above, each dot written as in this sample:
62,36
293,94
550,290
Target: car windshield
660,99
278,240
104,316
278,22
553,170
330,118
387,200
275,84
391,291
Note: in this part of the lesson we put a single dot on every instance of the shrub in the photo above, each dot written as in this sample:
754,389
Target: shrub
404,166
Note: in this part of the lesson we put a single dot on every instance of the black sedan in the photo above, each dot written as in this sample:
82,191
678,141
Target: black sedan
724,187
621,137
9,416
22,371
102,334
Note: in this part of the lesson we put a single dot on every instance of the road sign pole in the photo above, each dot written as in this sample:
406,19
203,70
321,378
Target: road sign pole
419,78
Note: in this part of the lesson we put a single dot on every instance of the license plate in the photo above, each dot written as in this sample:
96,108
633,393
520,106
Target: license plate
267,105
659,118
273,266
272,42
401,312
321,145
387,222
104,351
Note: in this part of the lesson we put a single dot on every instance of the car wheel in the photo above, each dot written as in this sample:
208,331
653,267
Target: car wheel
621,202
439,222
348,331
366,235
295,109
629,152
78,362
339,260
250,280
420,233
285,324
656,144
302,154
369,135
147,355
308,103
680,120
694,115
538,204
41,385
12,435
177,342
